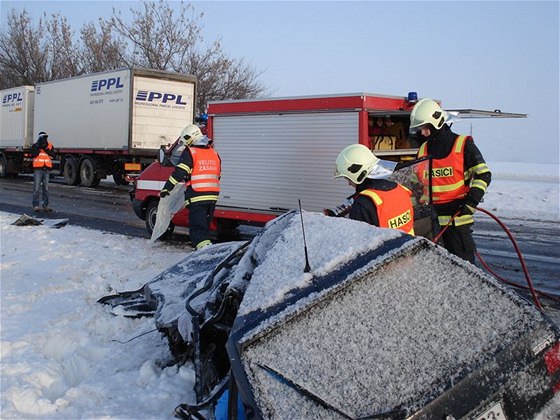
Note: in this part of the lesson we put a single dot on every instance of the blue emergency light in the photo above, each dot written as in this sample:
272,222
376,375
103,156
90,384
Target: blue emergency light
412,97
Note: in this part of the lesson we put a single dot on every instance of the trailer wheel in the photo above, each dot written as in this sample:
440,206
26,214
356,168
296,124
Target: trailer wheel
70,171
151,213
3,166
88,173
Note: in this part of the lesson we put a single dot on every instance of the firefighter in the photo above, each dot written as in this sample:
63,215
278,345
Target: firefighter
377,201
460,175
42,152
200,167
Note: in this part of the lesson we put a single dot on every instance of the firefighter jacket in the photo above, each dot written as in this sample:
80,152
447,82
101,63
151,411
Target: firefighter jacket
385,204
200,168
460,176
42,156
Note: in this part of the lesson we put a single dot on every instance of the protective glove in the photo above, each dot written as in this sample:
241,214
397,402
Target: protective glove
467,209
340,211
163,193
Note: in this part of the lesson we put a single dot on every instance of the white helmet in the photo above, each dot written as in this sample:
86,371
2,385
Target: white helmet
427,111
190,134
355,162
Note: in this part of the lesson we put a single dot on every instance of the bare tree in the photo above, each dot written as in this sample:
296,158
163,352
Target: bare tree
63,56
29,55
221,77
100,51
162,39
23,53
157,37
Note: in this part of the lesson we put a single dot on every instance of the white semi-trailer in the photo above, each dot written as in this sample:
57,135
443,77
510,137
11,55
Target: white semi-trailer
110,123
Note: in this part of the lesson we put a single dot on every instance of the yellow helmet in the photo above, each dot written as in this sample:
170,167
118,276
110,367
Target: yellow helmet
427,111
355,162
190,134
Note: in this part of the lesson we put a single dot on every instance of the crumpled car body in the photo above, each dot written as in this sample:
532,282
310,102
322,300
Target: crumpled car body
384,325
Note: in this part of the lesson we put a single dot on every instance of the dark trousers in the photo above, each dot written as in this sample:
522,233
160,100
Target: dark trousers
41,185
200,216
459,241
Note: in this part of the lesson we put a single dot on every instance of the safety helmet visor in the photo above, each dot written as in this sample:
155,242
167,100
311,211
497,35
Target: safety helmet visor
416,128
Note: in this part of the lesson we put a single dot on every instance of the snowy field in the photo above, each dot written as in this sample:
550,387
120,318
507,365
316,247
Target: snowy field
63,356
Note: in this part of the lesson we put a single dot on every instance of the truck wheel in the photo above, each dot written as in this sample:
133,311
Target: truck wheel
3,166
88,173
70,171
151,213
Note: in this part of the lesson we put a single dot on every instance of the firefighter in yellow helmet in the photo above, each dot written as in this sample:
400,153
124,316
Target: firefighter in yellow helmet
200,167
377,201
460,175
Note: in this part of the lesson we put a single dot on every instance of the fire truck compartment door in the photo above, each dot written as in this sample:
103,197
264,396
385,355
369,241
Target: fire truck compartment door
270,161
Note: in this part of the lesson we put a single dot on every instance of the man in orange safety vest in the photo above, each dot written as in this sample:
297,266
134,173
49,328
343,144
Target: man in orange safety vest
42,153
200,167
377,201
459,176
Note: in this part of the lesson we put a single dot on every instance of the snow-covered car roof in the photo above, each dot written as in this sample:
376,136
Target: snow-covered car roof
382,323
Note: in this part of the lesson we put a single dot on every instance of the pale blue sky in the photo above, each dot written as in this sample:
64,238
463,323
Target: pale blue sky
471,54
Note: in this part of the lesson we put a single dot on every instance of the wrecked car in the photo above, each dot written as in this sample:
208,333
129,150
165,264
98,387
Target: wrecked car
320,317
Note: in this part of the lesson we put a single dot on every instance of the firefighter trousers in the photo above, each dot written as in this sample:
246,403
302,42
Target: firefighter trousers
459,241
200,216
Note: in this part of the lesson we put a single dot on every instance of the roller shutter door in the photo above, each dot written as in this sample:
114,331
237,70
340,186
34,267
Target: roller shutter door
271,161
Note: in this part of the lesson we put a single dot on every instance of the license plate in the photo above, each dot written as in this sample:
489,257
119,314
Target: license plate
132,166
496,412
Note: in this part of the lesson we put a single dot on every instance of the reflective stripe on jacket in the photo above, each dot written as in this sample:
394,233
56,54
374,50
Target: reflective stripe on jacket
450,181
42,160
394,208
205,176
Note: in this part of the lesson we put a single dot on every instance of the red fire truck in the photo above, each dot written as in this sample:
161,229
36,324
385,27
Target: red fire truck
278,151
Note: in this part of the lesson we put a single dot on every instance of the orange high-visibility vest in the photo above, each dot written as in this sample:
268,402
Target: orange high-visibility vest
43,160
449,179
205,176
394,208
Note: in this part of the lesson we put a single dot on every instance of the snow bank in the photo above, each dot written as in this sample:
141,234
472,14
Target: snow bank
59,357
525,191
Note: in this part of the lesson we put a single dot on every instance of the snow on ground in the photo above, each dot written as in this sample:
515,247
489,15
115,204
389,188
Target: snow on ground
60,358
526,191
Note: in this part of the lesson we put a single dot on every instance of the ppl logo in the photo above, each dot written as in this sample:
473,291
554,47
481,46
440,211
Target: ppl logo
106,84
12,97
145,96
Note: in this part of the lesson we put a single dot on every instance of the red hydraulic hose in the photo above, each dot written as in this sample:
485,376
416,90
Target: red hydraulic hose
436,239
521,259
519,286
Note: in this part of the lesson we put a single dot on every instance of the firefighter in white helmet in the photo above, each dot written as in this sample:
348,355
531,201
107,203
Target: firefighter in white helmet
200,167
377,201
460,175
